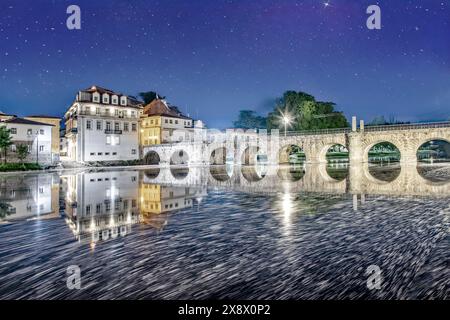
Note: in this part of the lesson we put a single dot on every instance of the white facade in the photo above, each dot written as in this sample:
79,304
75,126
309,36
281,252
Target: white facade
36,136
102,127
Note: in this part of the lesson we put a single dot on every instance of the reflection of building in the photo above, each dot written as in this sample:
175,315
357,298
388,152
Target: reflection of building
29,196
37,136
102,205
161,123
156,201
102,125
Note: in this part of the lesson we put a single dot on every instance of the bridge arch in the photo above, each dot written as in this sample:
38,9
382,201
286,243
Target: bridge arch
179,157
152,158
218,156
380,142
433,149
252,155
286,153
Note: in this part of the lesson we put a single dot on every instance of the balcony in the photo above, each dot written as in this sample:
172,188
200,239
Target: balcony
109,131
72,130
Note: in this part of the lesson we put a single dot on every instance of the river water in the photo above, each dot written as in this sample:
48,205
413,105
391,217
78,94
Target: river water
306,232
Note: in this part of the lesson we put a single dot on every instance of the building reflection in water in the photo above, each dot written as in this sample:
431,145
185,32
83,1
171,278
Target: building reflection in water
29,196
101,205
104,205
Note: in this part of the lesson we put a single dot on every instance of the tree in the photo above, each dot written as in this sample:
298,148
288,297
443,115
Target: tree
4,210
305,113
249,119
5,141
22,152
149,96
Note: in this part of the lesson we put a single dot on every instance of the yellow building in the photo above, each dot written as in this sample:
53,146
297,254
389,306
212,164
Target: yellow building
161,123
55,121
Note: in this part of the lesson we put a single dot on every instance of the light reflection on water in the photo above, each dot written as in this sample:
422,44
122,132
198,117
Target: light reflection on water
227,232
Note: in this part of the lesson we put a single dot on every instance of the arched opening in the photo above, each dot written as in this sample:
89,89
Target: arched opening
179,157
179,173
152,158
337,157
218,156
291,154
433,159
434,151
384,153
253,156
384,161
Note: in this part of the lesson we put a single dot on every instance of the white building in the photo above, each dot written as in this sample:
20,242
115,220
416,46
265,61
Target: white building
37,136
102,125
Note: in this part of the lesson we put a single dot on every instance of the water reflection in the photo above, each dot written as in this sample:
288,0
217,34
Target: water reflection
28,196
216,234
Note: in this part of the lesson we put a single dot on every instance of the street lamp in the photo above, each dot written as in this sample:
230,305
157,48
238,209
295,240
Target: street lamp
286,120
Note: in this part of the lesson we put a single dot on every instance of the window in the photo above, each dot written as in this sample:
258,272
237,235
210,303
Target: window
125,204
105,98
99,153
13,148
92,153
176,121
41,148
97,110
108,126
116,126
133,114
99,125
89,124
29,148
29,132
165,121
98,208
133,203
114,153
114,100
88,209
123,101
107,111
88,110
133,127
116,112
13,130
96,98
106,153
133,179
125,126
133,151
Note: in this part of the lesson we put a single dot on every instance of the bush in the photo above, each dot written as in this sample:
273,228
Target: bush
4,167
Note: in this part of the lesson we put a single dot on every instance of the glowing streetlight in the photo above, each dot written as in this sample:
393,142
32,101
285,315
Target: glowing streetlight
286,120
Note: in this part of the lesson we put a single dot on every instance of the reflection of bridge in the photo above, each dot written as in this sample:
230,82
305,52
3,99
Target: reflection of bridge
307,178
243,147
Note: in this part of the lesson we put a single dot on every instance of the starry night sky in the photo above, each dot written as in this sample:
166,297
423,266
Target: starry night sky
213,58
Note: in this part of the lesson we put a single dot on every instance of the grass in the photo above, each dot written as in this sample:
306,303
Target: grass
5,167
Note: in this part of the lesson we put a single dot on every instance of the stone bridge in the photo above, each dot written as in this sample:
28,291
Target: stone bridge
239,147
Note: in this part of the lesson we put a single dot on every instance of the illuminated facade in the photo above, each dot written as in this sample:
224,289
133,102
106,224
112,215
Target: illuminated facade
102,125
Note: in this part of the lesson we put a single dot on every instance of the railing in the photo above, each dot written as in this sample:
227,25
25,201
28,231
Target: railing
113,131
315,132
409,126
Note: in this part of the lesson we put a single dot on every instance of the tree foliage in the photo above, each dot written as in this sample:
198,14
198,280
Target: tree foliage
305,113
22,152
249,119
5,141
149,96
